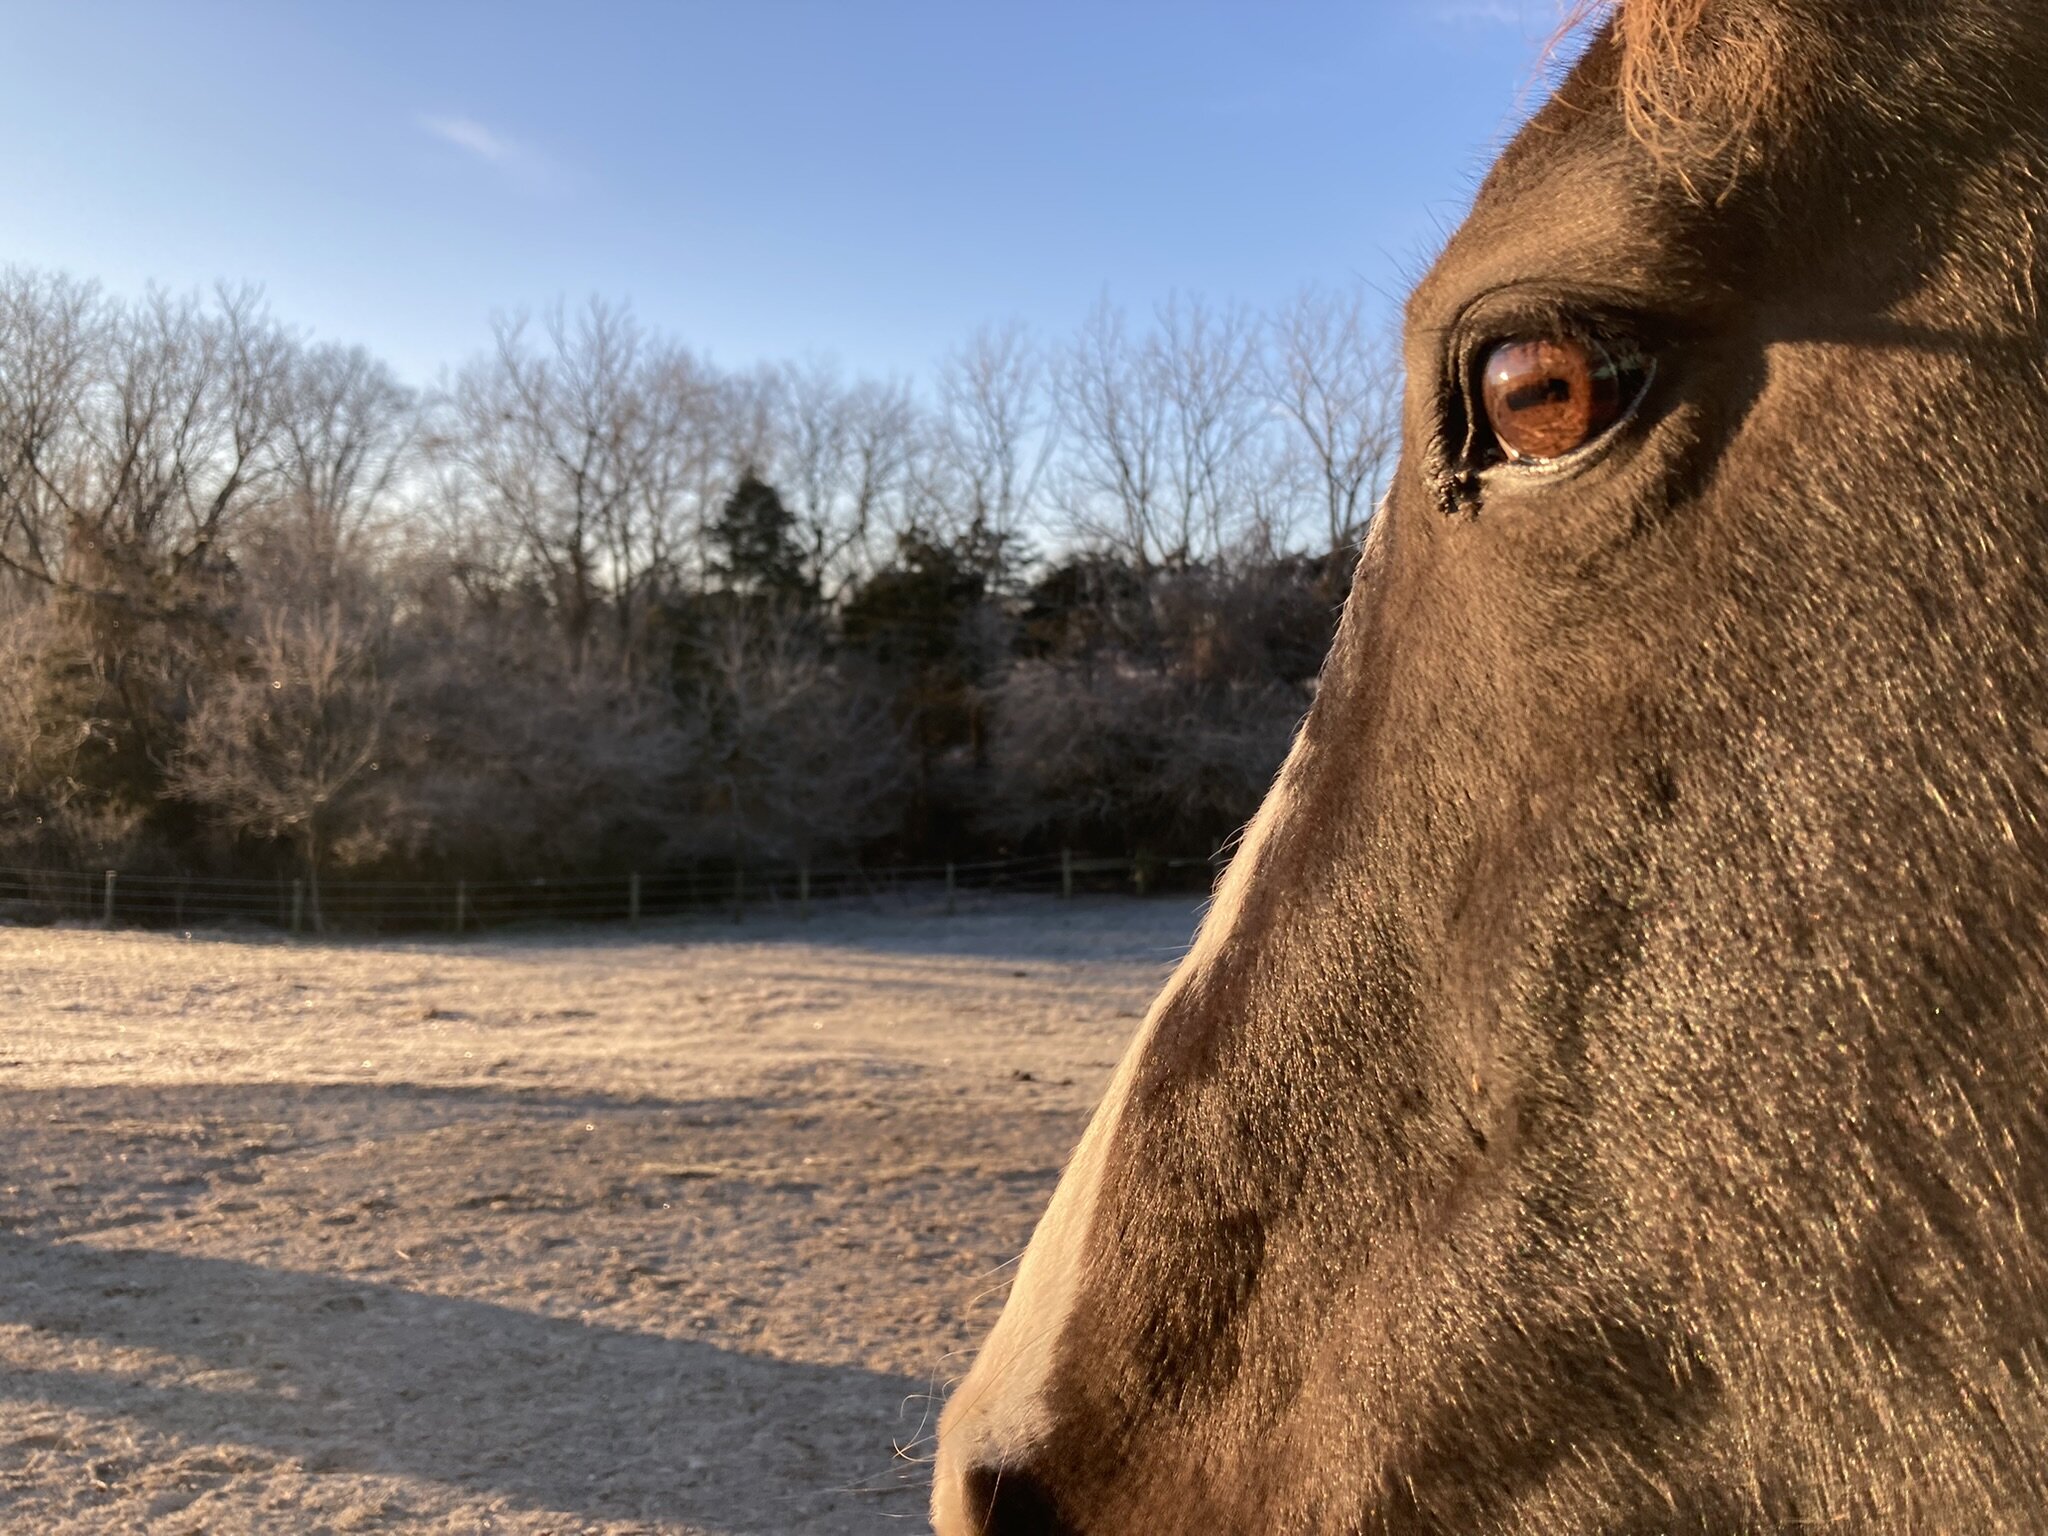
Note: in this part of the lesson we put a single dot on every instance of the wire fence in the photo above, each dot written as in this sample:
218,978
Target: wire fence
296,905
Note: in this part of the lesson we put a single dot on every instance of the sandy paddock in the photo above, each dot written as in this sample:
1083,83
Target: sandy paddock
558,1232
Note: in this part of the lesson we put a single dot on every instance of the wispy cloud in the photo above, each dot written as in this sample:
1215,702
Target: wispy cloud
520,161
469,134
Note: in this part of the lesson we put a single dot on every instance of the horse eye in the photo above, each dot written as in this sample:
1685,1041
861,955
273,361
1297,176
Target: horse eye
1546,396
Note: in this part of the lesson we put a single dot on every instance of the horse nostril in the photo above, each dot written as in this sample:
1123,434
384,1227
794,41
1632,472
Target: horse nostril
1011,1501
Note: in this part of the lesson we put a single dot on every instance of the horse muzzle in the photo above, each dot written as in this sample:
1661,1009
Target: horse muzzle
992,1499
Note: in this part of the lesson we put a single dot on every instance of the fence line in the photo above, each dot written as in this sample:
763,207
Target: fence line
460,904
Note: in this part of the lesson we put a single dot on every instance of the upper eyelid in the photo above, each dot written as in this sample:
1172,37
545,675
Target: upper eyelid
1508,310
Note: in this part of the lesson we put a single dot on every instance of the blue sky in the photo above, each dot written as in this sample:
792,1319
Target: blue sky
861,180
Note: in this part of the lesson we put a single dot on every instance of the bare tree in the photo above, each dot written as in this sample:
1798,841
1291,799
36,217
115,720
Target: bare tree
1339,390
347,430
1113,427
795,757
287,746
842,455
587,454
1131,755
133,438
179,441
54,337
990,446
506,755
1159,433
1202,362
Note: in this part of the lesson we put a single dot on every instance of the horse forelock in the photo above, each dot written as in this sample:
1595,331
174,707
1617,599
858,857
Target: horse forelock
1645,26
1680,88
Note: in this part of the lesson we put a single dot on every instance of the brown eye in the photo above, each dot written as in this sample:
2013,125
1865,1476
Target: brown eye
1546,396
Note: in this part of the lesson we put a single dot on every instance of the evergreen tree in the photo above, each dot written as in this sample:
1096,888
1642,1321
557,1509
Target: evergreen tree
919,610
754,547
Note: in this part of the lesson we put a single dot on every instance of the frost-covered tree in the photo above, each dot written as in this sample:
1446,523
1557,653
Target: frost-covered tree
586,454
1337,384
794,756
286,746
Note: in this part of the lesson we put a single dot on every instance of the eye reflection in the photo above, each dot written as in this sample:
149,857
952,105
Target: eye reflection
1546,396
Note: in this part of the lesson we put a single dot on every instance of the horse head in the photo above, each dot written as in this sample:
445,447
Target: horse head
1605,1095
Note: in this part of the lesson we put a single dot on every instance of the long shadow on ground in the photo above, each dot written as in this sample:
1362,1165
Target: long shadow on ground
549,1413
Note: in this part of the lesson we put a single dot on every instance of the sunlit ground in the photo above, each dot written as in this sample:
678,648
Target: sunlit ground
566,1231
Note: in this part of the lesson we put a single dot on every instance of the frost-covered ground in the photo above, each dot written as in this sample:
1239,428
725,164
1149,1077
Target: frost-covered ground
567,1231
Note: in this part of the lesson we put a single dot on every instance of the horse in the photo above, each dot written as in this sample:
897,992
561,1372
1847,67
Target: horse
1605,1094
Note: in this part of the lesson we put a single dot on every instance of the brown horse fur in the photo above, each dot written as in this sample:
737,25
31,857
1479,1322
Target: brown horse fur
1606,1096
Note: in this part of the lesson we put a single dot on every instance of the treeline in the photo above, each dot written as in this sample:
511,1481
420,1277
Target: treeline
594,604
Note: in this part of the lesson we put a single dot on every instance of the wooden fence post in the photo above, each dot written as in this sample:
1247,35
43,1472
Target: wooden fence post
461,903
298,905
633,899
107,900
803,890
1067,874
